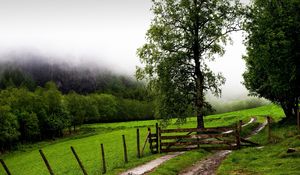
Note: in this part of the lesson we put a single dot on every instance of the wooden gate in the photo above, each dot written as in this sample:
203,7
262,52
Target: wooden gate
184,139
218,138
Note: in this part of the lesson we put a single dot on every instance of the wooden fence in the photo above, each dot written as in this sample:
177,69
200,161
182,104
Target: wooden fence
184,139
80,163
220,138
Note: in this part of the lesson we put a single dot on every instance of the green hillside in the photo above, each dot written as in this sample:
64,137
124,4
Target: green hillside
28,161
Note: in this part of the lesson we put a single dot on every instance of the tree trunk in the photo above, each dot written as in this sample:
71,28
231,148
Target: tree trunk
288,110
200,121
199,101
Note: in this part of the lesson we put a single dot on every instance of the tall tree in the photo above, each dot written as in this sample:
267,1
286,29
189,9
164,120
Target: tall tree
273,54
184,35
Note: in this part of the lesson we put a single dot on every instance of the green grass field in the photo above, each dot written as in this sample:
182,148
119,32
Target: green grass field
272,158
28,161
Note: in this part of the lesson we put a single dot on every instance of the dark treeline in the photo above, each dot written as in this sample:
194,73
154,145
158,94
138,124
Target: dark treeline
34,71
45,113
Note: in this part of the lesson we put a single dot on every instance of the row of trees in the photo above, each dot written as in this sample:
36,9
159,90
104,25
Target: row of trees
27,116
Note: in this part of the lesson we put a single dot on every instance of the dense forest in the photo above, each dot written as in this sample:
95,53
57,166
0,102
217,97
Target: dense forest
39,100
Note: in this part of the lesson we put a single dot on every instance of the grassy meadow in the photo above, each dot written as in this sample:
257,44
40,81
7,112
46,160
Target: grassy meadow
87,145
271,158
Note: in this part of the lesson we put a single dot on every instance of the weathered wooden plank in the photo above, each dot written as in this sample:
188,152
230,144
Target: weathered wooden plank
196,142
152,135
153,140
220,148
192,148
199,136
176,149
215,129
248,141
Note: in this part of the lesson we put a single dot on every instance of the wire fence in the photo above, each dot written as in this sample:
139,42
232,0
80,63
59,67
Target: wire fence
65,161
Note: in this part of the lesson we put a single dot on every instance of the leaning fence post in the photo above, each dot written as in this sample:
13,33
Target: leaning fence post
46,162
138,143
5,167
78,160
125,149
238,138
269,128
103,160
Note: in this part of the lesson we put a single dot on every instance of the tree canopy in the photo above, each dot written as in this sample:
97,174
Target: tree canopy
273,53
184,35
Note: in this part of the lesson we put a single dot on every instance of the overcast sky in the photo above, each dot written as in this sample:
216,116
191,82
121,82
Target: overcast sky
104,32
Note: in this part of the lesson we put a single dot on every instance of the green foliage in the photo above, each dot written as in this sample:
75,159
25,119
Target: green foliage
57,117
76,106
107,105
46,113
8,127
29,126
183,36
134,109
272,60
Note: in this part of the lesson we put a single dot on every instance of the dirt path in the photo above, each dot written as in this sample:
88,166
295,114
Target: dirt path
214,161
207,166
210,165
151,165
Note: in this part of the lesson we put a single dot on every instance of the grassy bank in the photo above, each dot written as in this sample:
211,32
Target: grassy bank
271,158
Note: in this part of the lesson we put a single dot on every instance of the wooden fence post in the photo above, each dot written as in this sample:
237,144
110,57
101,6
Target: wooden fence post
5,167
238,138
46,162
298,118
150,140
159,134
269,128
103,160
157,137
78,160
125,149
240,126
138,143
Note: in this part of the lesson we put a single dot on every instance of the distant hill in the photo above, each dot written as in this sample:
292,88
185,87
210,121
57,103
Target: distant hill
31,70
